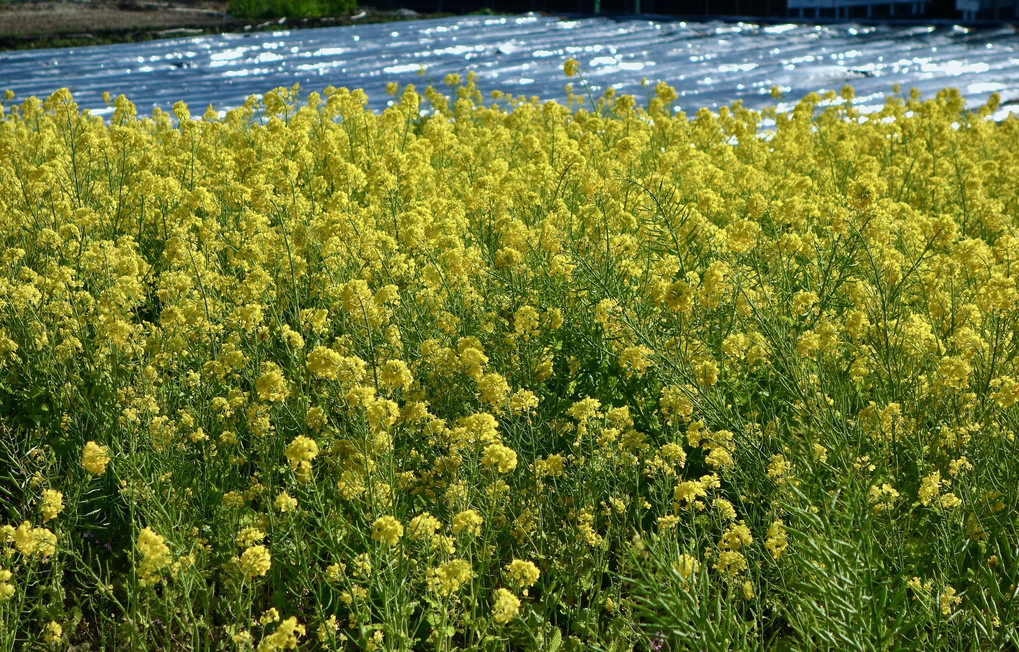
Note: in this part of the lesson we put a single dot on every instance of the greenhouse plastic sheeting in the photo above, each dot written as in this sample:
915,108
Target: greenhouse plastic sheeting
710,63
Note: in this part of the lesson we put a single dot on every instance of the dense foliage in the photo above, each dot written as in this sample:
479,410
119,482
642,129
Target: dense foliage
290,8
508,374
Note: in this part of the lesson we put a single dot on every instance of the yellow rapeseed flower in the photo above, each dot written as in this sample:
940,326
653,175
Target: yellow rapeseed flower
499,456
249,536
449,577
7,589
469,522
324,362
301,451
948,600
284,502
423,526
388,529
272,386
54,633
94,458
36,542
395,373
287,636
736,537
154,552
269,616
522,572
929,487
775,540
52,503
506,606
254,562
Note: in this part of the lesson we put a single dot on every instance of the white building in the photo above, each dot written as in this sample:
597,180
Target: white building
969,10
987,9
842,7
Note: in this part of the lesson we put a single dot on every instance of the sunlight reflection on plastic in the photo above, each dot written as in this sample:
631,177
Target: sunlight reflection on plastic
710,63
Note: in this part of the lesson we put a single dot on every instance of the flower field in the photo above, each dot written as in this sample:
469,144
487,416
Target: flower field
509,375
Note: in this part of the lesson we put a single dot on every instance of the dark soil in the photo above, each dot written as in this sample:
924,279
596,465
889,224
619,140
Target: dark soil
46,23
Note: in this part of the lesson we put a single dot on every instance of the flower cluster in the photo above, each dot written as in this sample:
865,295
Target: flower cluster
501,372
155,555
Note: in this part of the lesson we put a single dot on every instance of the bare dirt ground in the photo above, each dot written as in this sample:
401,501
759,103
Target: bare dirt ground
91,22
